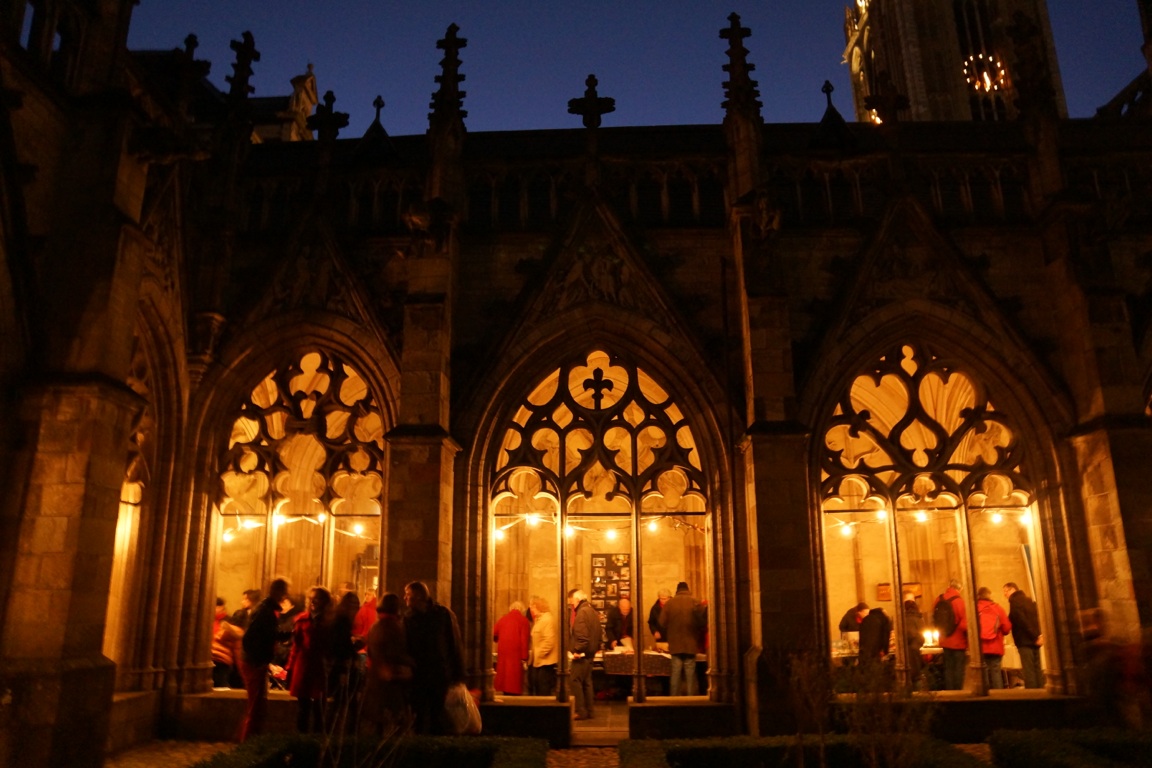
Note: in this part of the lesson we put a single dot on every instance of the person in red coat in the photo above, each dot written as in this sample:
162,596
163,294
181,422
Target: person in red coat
511,636
955,643
994,625
311,646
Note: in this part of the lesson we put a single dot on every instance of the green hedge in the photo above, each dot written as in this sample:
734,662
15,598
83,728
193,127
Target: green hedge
1089,748
303,751
768,752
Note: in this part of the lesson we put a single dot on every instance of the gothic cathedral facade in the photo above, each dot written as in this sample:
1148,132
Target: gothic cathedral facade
798,367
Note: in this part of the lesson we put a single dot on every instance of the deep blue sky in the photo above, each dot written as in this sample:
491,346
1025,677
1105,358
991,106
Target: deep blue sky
660,59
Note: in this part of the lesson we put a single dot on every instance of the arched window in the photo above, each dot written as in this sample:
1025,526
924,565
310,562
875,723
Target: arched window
600,460
922,481
301,481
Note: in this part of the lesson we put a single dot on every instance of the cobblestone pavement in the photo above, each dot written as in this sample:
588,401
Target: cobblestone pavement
583,757
182,754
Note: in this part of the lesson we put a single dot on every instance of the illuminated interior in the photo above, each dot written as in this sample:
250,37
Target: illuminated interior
922,482
601,442
301,482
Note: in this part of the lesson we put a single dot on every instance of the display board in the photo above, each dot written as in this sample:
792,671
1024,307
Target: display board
611,580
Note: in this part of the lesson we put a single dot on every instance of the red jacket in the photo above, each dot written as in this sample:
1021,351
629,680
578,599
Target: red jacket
311,643
989,611
511,635
958,640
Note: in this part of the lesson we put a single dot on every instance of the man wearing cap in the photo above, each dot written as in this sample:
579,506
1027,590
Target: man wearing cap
683,621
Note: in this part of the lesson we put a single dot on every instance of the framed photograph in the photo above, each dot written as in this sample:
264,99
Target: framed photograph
884,592
913,588
612,590
598,562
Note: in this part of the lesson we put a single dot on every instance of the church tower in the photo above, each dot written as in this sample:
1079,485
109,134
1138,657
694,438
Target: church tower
952,59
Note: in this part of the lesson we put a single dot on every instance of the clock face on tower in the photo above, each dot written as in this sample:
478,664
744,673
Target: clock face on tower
984,73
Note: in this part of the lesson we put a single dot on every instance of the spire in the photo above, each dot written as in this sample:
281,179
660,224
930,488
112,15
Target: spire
743,124
591,106
446,126
448,100
246,53
740,89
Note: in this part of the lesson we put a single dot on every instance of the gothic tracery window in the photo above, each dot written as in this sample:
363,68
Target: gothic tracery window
600,438
301,481
922,480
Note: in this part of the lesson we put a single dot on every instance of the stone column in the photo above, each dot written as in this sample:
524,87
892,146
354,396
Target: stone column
55,684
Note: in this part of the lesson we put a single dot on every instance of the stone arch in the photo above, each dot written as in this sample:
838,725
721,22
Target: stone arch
519,368
242,363
144,536
1019,385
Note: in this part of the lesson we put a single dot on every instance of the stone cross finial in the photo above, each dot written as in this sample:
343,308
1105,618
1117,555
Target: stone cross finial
191,43
246,53
827,89
326,121
378,102
591,106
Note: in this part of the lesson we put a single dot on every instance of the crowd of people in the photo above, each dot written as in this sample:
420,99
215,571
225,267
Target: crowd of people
949,618
527,647
388,664
379,666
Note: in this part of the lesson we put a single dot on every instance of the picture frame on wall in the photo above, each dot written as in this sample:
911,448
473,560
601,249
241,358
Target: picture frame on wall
884,592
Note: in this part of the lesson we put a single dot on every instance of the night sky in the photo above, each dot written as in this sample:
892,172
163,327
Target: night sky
660,59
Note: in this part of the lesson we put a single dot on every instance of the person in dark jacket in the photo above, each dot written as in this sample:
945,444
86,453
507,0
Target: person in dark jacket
913,640
1025,621
585,641
257,648
662,597
682,620
875,630
434,645
850,622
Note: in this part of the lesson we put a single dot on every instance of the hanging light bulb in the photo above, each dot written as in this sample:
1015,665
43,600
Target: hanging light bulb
228,536
569,531
533,519
997,518
921,516
277,519
499,534
322,517
846,530
1026,518
358,529
652,526
610,534
882,514
249,524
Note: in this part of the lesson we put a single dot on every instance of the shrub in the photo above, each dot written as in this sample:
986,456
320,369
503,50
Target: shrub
303,751
769,752
1088,748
